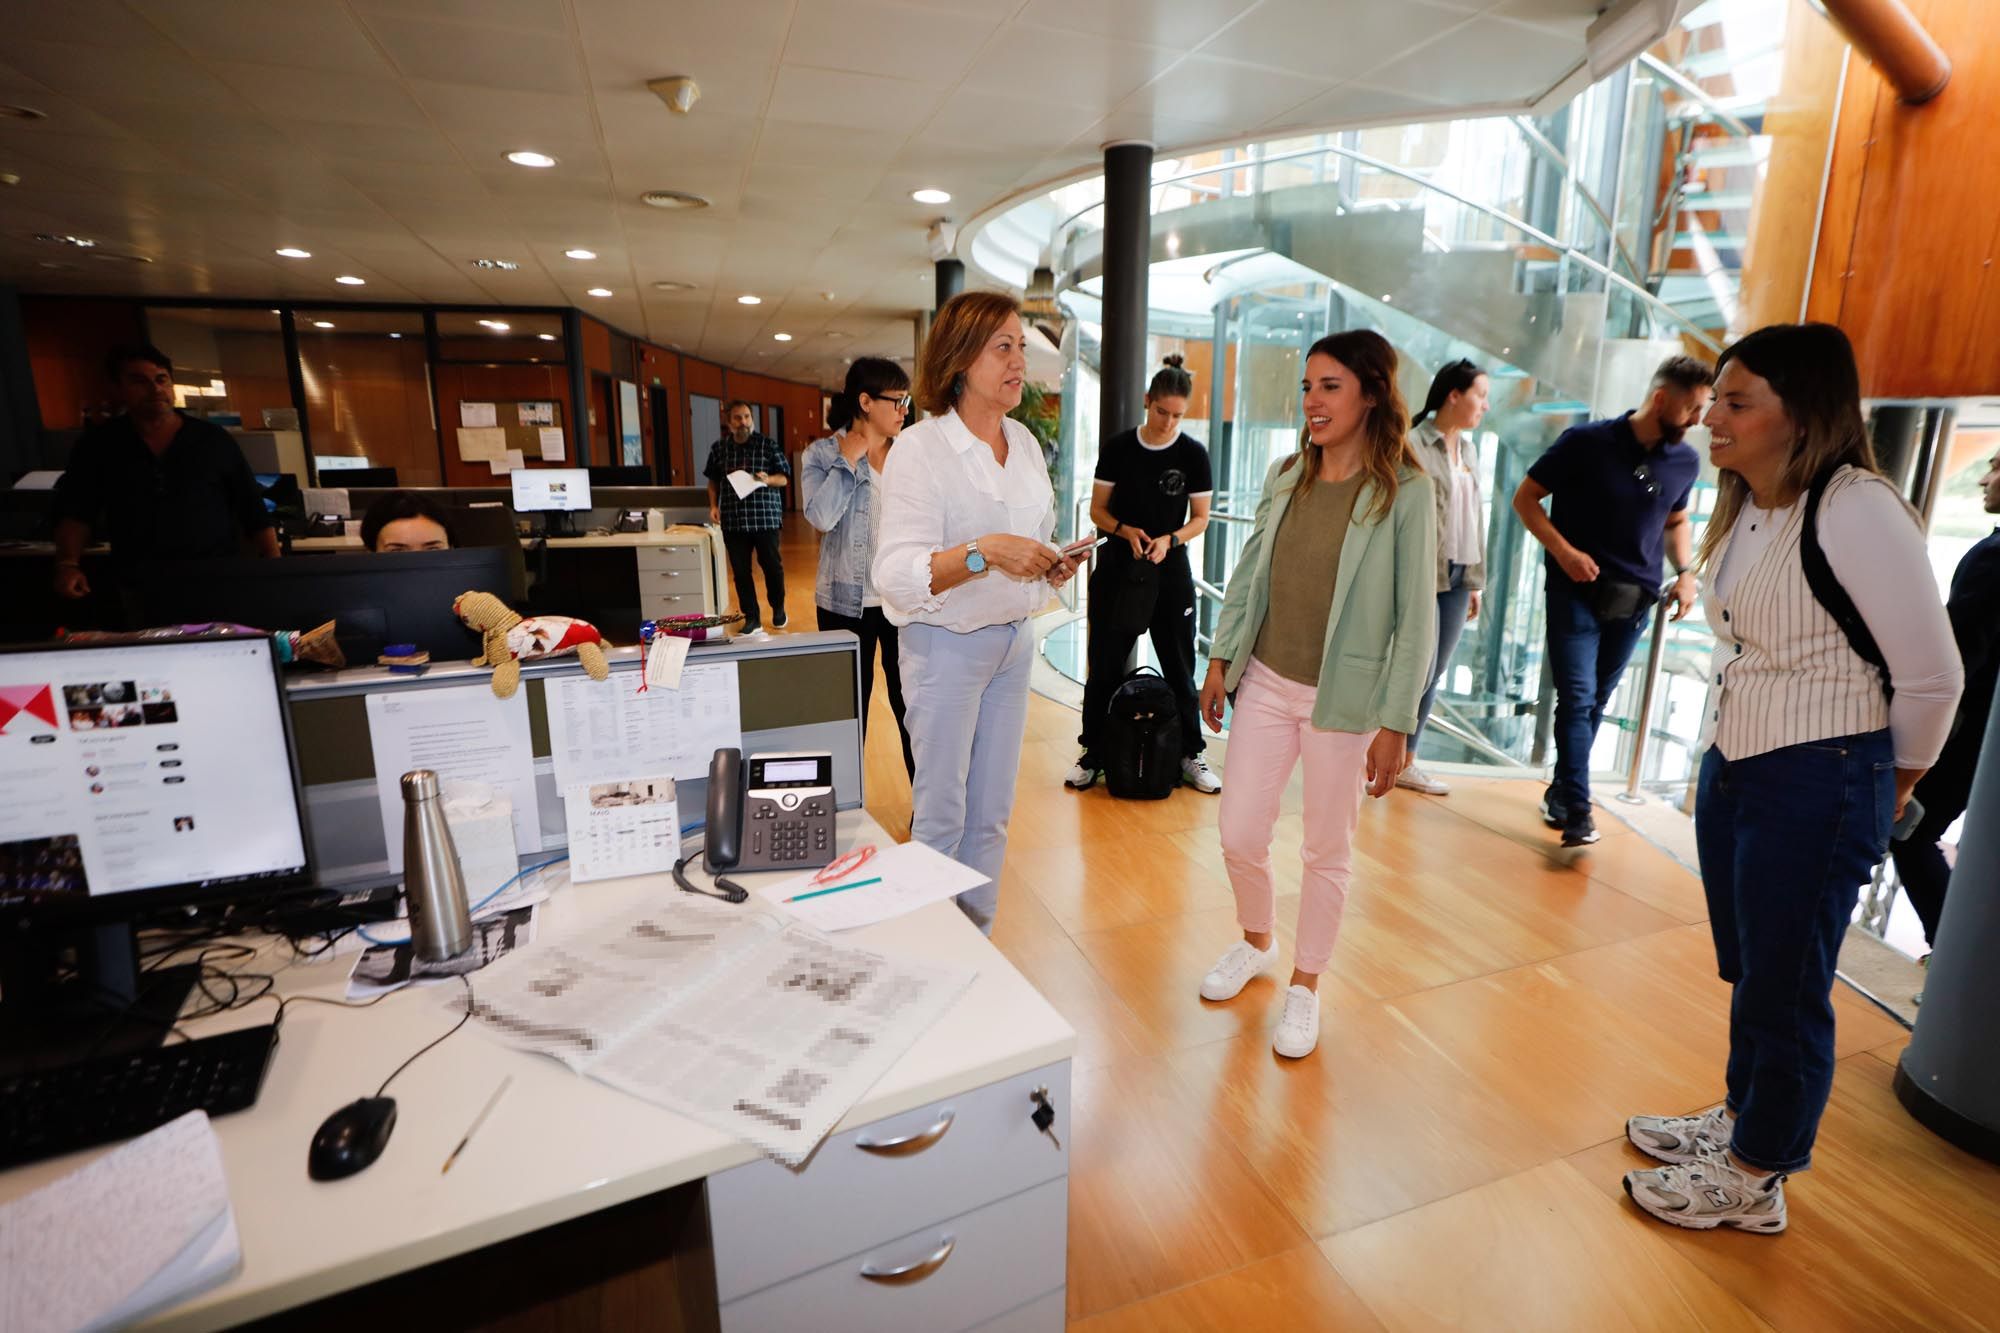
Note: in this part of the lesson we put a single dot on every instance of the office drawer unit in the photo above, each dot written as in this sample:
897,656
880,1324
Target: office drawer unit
950,1157
1037,1316
658,606
957,1274
687,557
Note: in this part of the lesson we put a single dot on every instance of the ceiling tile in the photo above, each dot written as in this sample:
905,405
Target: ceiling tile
852,101
85,22
1356,104
1488,61
479,56
1314,38
544,16
118,74
309,34
323,96
1205,88
1071,69
898,41
1181,26
507,114
812,143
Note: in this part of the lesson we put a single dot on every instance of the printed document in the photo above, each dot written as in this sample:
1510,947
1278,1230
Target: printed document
743,483
605,731
909,875
622,828
458,731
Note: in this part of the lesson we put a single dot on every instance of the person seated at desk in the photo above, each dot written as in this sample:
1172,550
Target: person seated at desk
166,485
406,521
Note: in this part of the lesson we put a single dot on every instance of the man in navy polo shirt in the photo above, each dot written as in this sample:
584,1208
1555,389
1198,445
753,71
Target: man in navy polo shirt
1621,492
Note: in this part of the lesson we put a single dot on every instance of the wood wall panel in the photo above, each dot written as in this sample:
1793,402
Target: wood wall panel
1910,236
67,340
368,396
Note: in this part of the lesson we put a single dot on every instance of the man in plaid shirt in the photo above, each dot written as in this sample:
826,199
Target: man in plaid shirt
750,522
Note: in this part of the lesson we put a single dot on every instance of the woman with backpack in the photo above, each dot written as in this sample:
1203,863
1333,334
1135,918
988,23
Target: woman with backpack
1326,636
1835,681
1442,438
1151,496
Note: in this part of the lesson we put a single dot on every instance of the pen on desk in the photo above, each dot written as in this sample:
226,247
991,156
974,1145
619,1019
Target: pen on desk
477,1121
838,888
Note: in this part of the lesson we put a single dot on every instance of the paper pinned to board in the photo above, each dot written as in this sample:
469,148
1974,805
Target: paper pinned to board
477,445
538,413
478,414
553,447
457,731
910,876
142,1228
743,483
508,460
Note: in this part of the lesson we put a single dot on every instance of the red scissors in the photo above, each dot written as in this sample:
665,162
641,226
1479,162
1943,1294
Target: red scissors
843,865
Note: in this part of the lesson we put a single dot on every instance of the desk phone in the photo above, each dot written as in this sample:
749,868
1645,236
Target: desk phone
771,812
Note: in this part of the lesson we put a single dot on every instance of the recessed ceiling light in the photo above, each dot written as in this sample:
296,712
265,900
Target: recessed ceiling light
931,196
781,337
599,291
669,285
836,333
579,253
293,252
526,157
497,325
546,337
506,265
672,199
13,111
395,335
826,296
747,299
10,178
322,323
80,242
349,280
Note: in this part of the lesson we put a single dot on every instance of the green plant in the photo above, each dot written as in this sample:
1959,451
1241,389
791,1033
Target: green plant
1041,412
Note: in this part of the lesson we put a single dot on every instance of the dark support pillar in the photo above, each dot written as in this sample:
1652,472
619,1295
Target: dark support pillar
20,413
1948,1078
1128,180
950,280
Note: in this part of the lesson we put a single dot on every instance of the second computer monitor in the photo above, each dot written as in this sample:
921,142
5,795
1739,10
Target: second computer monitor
560,489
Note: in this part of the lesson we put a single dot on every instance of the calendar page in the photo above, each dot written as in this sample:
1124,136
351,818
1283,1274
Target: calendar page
629,827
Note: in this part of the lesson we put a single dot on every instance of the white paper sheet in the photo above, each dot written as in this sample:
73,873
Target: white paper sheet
622,828
39,481
507,460
552,443
537,413
743,483
458,731
478,414
327,500
476,446
666,658
911,874
604,731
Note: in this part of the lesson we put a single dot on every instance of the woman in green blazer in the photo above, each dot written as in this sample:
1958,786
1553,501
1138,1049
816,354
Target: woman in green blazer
1326,637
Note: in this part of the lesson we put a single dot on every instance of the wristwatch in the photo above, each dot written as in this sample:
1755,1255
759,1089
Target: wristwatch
973,560
1173,540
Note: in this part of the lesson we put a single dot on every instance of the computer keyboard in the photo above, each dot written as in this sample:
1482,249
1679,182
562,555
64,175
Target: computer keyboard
70,1107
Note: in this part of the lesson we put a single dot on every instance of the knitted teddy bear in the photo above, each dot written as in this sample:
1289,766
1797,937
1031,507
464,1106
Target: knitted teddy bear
508,639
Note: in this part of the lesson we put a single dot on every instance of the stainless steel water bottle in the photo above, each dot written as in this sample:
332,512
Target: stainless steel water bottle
440,924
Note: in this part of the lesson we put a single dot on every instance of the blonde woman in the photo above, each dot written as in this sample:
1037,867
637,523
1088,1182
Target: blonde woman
1326,632
1834,686
962,561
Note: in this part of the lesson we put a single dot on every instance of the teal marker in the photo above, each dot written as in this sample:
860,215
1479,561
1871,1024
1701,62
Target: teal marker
838,888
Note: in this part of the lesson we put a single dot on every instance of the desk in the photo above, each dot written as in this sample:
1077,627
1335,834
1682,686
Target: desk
786,1247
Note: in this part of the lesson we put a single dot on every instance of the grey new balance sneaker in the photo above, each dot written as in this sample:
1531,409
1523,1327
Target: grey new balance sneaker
1677,1139
1710,1193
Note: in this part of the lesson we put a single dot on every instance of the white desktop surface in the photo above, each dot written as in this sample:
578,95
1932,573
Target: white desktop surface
556,1147
684,535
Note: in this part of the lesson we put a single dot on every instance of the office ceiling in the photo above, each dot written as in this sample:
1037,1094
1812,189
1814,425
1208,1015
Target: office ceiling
201,135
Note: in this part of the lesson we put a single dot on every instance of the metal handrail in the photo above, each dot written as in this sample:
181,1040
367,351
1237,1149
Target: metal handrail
1505,219
1541,144
1720,114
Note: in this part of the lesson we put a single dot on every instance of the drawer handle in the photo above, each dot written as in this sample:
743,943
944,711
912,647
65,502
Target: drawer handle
905,1144
915,1272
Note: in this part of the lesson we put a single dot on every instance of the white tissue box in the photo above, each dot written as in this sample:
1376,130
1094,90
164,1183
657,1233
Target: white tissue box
482,829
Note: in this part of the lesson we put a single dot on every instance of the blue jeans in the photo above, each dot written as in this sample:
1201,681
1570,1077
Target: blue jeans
1786,841
1453,603
1587,659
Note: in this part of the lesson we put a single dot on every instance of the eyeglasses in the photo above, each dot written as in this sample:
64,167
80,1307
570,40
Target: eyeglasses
899,401
1643,473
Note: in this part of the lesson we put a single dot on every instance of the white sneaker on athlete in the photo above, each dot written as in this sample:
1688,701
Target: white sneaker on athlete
1710,1193
1197,774
1415,779
1298,1030
1081,774
1678,1139
1232,971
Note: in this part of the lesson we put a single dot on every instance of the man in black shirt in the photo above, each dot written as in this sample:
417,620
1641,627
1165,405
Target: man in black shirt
163,486
1151,495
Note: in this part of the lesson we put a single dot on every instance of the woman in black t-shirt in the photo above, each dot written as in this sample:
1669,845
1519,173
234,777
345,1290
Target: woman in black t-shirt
1151,497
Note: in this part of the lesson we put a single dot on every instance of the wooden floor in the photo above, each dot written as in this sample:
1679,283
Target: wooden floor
1450,1156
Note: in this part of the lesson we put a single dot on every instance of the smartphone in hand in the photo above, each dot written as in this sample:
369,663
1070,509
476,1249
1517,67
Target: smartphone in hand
1082,545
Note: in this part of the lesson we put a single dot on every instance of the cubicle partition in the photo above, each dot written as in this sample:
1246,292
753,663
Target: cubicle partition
796,691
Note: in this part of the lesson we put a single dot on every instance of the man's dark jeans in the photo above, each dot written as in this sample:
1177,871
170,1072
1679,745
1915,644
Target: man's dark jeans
740,545
1786,840
1586,658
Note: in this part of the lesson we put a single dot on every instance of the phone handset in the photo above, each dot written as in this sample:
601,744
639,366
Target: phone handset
723,837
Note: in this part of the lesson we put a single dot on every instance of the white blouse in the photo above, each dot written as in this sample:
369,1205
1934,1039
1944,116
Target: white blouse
1464,532
940,487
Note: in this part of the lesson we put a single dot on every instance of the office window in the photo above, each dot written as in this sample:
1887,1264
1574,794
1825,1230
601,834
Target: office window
229,365
368,391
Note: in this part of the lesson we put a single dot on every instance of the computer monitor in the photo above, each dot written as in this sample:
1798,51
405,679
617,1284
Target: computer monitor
557,491
621,476
280,491
374,599
134,776
362,476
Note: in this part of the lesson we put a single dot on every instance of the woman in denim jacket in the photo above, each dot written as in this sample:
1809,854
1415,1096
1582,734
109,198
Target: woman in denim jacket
841,479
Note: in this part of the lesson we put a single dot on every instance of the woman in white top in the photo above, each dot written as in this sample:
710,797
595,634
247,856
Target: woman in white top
1441,435
962,560
1834,686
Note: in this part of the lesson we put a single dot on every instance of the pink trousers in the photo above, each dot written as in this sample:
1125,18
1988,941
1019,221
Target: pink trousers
1270,729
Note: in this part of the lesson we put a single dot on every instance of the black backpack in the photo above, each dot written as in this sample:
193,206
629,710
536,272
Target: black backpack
1142,738
1826,589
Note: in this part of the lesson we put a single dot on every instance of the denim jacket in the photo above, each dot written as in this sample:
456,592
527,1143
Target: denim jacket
839,497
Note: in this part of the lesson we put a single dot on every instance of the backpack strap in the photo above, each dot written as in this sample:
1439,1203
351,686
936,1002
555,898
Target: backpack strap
1827,590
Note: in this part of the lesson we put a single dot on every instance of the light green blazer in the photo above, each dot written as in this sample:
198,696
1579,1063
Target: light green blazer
1382,630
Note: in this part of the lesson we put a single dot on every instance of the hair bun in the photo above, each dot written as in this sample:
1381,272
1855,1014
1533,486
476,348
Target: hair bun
1175,359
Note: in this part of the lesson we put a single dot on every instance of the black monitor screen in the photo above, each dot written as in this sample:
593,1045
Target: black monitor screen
154,769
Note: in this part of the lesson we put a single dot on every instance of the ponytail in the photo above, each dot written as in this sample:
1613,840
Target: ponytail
1170,381
1457,377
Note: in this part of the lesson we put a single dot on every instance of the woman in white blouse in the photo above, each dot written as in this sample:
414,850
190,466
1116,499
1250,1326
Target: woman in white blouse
962,561
1835,681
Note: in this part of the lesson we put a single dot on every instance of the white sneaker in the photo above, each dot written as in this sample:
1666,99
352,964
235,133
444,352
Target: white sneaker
1679,1139
1298,1030
1197,774
1081,774
1232,972
1415,779
1710,1193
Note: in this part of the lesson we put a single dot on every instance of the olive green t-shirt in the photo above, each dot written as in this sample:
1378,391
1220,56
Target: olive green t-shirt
1305,565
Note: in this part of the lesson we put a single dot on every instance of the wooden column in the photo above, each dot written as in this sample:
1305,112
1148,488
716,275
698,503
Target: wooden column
1889,37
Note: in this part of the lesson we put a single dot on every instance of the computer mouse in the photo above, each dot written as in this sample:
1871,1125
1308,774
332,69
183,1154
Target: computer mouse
351,1138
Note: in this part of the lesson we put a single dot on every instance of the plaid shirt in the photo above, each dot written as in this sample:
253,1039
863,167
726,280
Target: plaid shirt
763,510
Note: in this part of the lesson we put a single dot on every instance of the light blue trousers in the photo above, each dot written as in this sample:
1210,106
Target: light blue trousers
968,712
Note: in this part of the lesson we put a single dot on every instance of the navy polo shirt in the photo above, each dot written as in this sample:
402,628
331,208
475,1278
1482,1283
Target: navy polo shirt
194,500
1600,501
